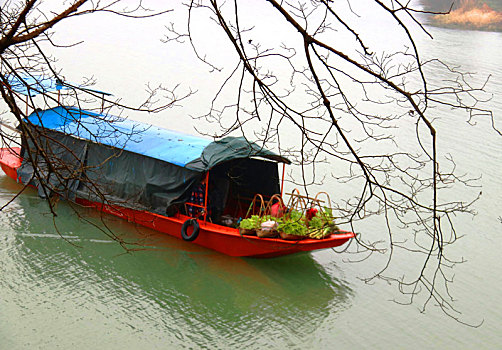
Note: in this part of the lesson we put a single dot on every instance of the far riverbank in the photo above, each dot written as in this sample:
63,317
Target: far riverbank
484,15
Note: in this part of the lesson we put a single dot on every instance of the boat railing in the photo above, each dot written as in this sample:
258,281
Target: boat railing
203,207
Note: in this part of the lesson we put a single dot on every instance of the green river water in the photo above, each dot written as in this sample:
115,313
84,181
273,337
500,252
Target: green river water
76,289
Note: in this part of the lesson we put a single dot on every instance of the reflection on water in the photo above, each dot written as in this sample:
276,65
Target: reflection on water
172,292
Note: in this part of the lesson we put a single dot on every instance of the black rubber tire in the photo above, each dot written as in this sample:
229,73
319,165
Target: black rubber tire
195,232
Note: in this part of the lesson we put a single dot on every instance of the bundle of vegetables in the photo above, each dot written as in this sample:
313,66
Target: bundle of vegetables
322,224
293,226
297,221
250,225
253,225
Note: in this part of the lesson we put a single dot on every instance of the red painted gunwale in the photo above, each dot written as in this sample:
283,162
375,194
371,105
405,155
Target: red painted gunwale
10,161
223,239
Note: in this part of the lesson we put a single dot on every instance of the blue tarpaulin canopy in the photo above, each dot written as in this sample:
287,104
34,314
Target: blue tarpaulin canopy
33,85
193,152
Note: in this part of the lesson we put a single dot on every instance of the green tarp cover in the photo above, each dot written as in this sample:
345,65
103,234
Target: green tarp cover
230,148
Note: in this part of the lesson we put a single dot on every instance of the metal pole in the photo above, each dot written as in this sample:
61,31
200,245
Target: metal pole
205,196
282,181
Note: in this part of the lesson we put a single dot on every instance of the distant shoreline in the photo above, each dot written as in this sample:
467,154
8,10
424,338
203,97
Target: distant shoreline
482,15
438,24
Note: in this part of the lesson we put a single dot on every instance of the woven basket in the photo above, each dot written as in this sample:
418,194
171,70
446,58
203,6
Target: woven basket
267,233
289,237
247,232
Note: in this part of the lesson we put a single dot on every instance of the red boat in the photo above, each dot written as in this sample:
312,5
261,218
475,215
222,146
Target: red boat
150,176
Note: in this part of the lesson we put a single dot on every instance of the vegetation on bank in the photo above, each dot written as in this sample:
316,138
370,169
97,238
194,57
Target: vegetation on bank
466,14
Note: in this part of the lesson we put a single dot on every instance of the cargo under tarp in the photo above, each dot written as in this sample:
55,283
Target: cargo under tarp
132,164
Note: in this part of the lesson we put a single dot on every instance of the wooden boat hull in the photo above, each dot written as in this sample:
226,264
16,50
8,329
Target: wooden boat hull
223,239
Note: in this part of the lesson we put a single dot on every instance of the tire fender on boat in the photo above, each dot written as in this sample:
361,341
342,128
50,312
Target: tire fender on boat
184,229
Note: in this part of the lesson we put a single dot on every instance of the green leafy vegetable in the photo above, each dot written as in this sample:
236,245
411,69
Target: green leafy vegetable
294,223
293,228
254,222
251,223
